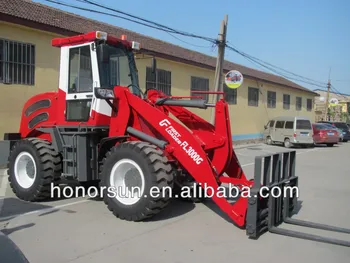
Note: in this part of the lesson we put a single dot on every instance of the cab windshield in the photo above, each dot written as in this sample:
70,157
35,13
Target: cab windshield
117,67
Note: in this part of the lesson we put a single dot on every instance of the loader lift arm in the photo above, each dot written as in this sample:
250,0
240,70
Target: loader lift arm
187,147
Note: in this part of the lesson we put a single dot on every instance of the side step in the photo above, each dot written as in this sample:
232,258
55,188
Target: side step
277,171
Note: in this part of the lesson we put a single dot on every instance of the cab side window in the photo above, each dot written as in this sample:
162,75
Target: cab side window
272,123
80,71
279,124
289,125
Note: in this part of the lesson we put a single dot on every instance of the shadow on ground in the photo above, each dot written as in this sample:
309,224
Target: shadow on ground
13,206
8,231
175,208
9,251
325,146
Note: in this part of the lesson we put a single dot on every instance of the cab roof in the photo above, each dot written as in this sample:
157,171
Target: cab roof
89,37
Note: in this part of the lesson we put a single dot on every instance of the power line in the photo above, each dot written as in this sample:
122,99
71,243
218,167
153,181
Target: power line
170,32
270,67
188,43
100,12
160,26
338,92
273,68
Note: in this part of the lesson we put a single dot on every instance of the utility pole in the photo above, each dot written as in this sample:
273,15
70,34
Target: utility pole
327,97
218,85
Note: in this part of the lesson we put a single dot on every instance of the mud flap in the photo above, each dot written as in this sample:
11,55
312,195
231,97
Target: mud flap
274,175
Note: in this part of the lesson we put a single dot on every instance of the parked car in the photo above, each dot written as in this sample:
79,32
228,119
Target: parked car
290,131
342,126
340,132
323,134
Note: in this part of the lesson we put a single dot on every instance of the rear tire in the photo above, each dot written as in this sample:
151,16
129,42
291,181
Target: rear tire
287,143
330,144
150,168
345,140
33,167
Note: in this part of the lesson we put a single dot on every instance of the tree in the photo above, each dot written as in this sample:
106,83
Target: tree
344,116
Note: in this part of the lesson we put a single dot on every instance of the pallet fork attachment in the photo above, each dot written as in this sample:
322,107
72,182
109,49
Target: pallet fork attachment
277,171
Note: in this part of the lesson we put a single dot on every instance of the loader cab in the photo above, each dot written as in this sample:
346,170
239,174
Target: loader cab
90,61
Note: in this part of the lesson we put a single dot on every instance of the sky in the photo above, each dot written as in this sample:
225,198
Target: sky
309,38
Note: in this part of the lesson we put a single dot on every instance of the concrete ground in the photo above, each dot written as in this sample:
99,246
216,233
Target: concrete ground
81,230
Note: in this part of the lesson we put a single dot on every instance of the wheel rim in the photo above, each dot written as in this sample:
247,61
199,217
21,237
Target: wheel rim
268,140
25,170
128,180
286,143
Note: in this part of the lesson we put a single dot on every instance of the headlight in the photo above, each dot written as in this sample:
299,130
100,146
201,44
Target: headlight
104,93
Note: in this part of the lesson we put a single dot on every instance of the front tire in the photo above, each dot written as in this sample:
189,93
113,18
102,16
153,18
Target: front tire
268,140
139,165
330,144
33,167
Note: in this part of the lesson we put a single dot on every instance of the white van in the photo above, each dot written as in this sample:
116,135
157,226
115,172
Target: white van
290,131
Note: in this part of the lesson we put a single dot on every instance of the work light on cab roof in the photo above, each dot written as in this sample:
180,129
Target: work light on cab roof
101,35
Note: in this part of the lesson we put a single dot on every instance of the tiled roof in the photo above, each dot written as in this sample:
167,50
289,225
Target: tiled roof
56,20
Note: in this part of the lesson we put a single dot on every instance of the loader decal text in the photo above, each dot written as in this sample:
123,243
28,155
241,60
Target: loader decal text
184,144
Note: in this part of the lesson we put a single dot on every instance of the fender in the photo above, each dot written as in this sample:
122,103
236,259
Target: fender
39,110
108,142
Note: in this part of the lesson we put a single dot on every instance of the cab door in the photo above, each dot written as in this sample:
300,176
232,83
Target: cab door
82,78
279,131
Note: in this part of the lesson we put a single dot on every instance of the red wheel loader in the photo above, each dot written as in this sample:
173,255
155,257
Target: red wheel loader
101,127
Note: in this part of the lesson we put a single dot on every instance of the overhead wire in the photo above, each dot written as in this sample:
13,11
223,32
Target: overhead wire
338,92
171,31
272,68
100,12
161,26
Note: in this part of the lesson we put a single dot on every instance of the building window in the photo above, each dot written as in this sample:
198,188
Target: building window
200,84
286,101
253,96
230,95
298,103
17,62
309,104
271,99
161,80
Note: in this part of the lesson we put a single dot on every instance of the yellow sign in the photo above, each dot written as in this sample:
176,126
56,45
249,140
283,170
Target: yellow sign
233,79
